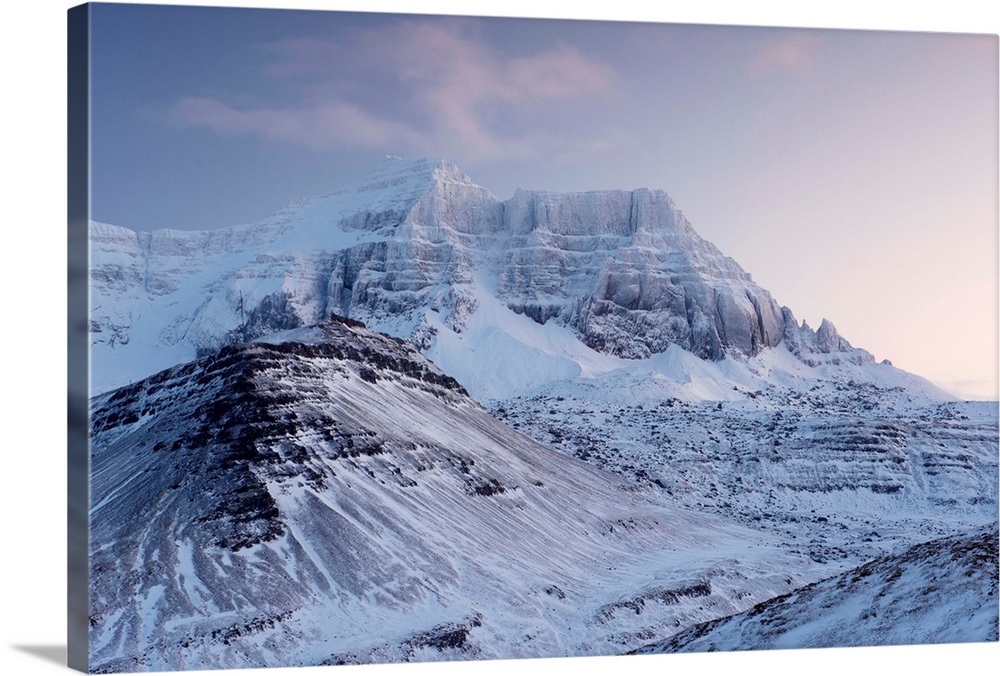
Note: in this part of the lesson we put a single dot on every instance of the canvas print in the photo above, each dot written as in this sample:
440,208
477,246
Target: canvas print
422,338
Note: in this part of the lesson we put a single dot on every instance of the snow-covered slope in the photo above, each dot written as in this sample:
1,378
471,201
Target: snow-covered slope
417,250
331,496
943,591
844,466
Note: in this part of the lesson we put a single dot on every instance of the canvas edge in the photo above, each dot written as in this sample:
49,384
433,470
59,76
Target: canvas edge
78,371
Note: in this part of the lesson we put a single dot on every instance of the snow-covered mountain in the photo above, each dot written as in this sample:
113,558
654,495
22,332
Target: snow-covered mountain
942,591
421,252
582,429
330,496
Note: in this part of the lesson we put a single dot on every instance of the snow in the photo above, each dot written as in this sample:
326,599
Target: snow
942,591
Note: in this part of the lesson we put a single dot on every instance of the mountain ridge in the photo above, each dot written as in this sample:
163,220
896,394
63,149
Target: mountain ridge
415,249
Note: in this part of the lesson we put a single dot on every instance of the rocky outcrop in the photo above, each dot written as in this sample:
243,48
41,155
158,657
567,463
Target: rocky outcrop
823,346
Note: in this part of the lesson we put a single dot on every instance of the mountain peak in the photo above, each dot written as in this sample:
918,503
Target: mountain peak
824,345
425,172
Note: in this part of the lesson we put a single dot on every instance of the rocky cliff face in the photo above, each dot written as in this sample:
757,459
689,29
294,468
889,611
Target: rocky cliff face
630,275
822,346
417,243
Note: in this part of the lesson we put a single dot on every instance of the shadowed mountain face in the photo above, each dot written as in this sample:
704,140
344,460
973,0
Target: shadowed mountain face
332,496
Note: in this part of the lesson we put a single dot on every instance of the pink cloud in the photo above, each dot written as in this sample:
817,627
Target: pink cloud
560,73
794,54
441,56
319,127
452,92
463,87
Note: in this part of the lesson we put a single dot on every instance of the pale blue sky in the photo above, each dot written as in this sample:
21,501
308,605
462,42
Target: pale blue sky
853,173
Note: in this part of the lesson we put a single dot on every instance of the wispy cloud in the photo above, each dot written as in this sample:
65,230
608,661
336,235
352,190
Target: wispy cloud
794,54
319,126
416,86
